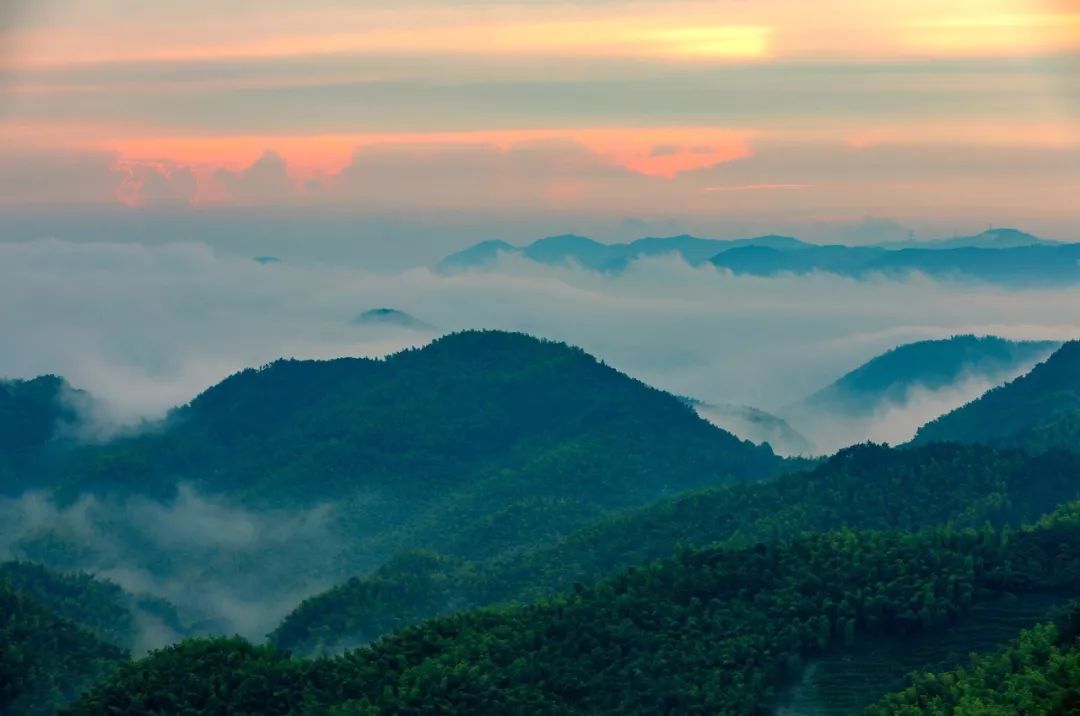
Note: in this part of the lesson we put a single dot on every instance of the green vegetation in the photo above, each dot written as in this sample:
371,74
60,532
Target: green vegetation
1038,673
31,411
1037,411
719,630
928,364
864,487
96,605
495,430
46,661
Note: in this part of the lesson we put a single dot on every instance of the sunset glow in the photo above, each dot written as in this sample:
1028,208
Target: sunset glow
646,104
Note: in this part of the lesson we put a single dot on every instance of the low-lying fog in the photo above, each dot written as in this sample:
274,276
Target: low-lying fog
148,327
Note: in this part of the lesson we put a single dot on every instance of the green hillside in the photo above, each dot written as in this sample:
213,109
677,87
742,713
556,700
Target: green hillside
1037,411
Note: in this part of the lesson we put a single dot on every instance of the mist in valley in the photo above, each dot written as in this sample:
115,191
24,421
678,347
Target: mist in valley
145,328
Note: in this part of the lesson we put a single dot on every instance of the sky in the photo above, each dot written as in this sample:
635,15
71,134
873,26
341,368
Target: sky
150,150
403,131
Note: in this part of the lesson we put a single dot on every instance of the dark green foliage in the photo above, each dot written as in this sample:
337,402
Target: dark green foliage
1038,411
468,406
31,411
1038,673
864,487
45,660
94,604
711,631
473,426
928,364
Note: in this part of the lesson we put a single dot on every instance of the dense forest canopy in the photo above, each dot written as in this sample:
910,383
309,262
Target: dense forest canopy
864,487
467,406
509,525
718,630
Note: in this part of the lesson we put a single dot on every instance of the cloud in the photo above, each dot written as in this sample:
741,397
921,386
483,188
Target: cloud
46,176
230,569
149,327
266,181
158,184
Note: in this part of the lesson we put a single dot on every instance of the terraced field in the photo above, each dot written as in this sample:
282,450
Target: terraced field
848,680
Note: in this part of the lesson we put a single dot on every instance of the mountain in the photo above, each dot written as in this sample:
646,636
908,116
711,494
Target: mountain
583,251
865,487
1039,410
888,398
717,630
930,365
535,414
33,412
481,432
757,426
481,255
390,317
1035,265
46,660
1002,238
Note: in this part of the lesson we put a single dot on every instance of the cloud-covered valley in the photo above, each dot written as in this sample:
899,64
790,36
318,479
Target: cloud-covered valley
148,327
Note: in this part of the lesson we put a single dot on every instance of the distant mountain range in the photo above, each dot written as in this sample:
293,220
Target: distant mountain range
1022,266
1003,238
570,249
1006,256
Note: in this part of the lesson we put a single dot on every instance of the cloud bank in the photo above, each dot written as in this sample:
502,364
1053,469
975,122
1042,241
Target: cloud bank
148,327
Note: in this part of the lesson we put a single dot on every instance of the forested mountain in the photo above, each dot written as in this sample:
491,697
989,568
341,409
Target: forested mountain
587,253
33,412
932,364
98,606
46,660
1038,411
530,417
1037,265
719,630
865,487
1038,673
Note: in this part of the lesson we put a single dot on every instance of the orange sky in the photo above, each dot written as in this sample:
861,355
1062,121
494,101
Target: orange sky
657,89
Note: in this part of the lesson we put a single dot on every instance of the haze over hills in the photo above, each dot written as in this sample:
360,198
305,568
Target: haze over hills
391,317
1019,266
757,426
740,621
492,467
480,443
890,396
1001,238
864,487
1037,411
1003,255
582,251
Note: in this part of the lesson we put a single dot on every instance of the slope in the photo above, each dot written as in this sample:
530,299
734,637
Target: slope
710,631
865,487
1038,411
